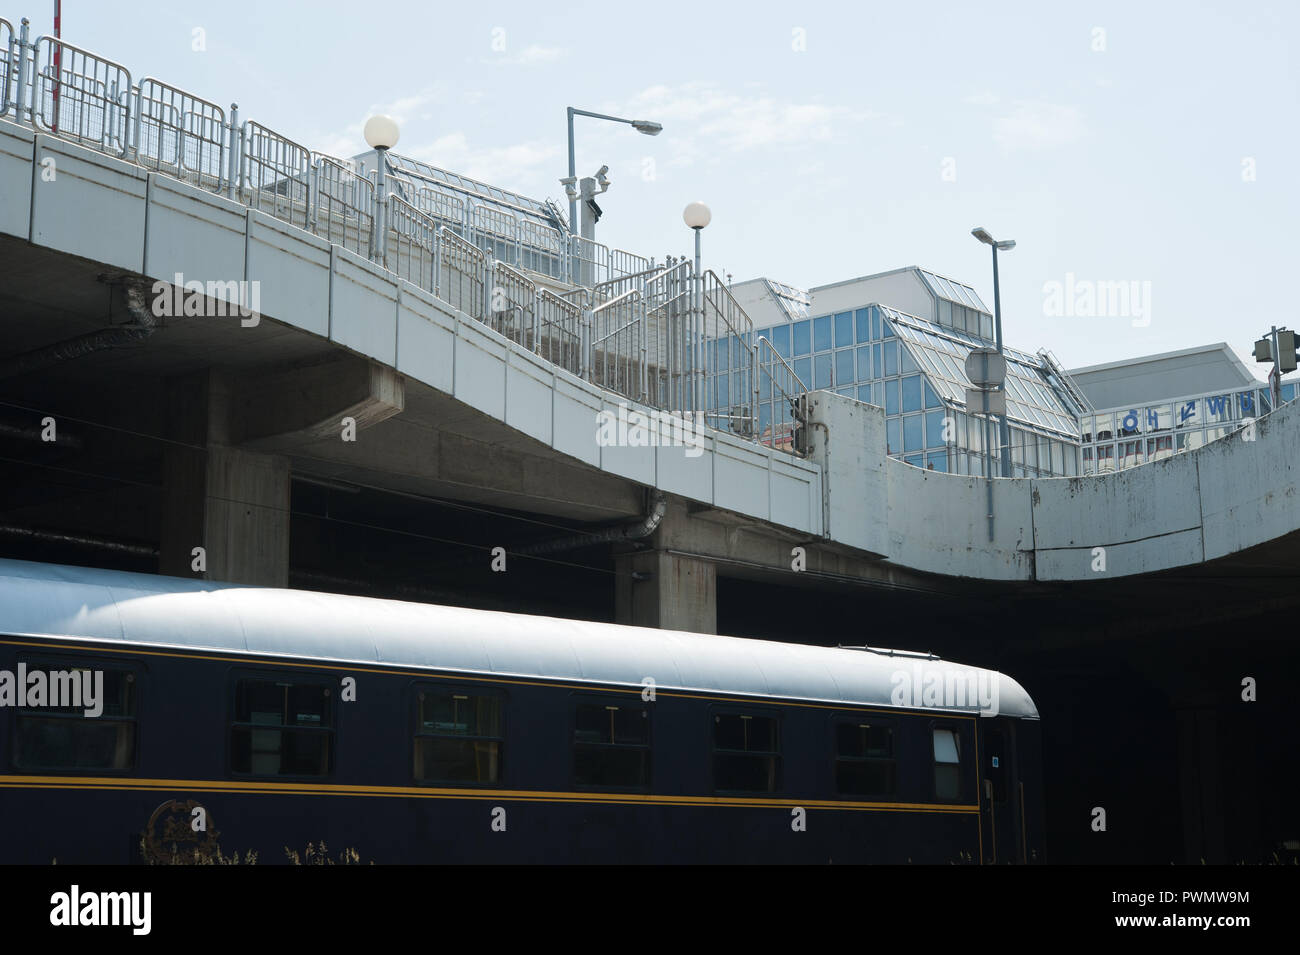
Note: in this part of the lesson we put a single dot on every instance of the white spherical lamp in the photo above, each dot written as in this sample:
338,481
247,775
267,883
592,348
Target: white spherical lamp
381,132
697,215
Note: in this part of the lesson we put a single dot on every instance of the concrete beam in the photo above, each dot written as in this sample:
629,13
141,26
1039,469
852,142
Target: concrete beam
308,403
666,591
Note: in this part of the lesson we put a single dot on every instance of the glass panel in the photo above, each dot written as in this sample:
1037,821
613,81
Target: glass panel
912,439
893,443
886,331
891,358
914,459
864,363
864,394
864,325
936,461
891,396
906,363
912,393
822,333
843,329
780,338
803,369
822,371
945,312
931,399
986,326
934,437
802,338
844,371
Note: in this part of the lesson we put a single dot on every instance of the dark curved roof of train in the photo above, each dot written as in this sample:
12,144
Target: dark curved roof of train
90,604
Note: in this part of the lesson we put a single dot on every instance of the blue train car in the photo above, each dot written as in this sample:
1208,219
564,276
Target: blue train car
244,718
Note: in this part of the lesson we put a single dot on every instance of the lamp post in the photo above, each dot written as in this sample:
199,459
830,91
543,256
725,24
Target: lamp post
381,134
570,184
697,216
1006,245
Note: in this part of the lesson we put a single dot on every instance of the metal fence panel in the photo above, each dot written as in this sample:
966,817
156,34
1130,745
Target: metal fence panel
276,175
414,246
81,97
181,134
344,208
461,272
559,331
617,360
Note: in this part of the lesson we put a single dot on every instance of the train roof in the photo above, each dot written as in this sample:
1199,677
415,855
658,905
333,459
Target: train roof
80,603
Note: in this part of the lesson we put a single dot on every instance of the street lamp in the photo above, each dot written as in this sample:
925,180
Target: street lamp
697,216
1004,431
571,184
381,134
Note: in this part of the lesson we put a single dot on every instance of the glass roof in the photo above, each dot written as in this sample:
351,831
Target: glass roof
953,291
795,302
463,185
941,352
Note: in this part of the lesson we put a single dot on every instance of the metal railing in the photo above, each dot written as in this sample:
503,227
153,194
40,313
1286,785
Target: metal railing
777,396
657,334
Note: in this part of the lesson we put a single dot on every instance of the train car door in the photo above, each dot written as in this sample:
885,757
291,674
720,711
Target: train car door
1001,808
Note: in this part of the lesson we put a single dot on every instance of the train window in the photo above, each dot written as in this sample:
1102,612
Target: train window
63,737
746,753
611,745
281,728
947,764
864,759
458,737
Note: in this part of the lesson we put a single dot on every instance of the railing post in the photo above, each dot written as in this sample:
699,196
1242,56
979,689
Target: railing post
231,132
585,357
21,99
313,196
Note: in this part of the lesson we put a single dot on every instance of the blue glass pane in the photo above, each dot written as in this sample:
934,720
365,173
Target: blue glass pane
764,416
906,363
822,333
891,358
864,325
934,429
864,363
779,335
877,369
803,368
891,396
843,329
931,399
844,374
912,440
912,393
802,338
723,398
885,330
891,436
822,371
914,460
936,462
864,394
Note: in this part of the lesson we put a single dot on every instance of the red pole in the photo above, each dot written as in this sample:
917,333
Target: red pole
58,61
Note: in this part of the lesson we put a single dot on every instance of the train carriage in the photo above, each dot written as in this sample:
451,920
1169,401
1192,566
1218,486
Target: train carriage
251,718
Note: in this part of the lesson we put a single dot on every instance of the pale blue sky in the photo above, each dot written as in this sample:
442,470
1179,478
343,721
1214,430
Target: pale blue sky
823,163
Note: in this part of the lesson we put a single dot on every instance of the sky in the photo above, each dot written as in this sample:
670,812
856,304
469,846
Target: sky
1137,143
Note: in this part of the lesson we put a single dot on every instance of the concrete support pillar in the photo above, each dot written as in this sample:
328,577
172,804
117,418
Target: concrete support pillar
1199,786
667,591
231,502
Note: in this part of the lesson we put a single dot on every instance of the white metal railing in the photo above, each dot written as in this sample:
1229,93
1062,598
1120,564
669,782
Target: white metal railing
658,334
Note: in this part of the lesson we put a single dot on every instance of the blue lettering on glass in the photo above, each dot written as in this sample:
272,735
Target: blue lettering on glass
1247,401
1216,404
1153,418
1187,411
1130,422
